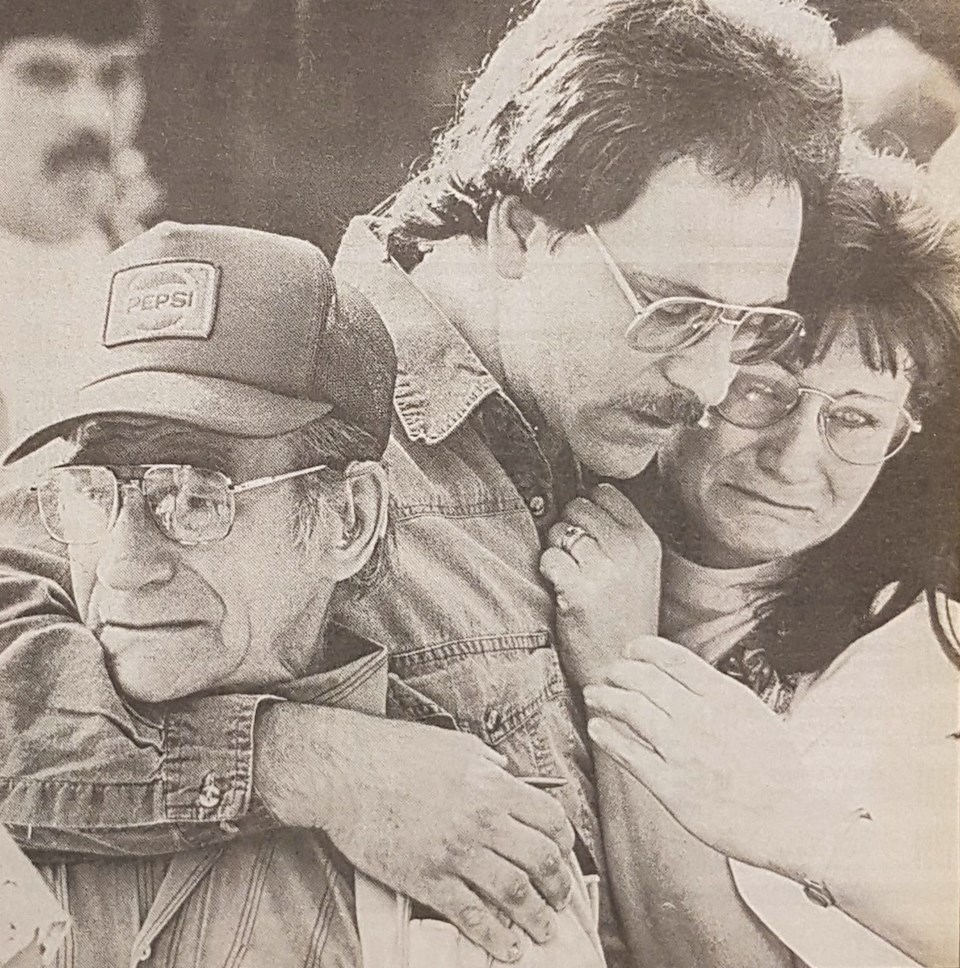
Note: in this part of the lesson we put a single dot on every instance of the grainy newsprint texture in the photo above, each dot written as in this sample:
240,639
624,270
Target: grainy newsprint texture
480,483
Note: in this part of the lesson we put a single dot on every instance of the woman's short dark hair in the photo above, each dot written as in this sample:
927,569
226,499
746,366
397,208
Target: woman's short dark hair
878,259
584,100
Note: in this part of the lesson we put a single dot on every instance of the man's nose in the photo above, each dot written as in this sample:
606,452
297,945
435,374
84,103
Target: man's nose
134,553
88,104
793,447
704,368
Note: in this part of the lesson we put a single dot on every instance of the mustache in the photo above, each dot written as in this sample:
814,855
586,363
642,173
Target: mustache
678,408
88,148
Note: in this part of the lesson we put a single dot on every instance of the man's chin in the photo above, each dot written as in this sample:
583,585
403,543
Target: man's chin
159,666
147,685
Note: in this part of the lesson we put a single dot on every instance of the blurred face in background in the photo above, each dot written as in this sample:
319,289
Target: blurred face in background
68,110
753,494
565,320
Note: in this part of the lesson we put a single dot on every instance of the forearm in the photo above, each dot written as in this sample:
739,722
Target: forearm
676,898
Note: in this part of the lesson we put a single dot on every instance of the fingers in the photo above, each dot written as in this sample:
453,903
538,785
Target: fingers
491,754
477,919
596,521
542,812
677,661
647,720
582,547
564,574
661,688
546,867
510,890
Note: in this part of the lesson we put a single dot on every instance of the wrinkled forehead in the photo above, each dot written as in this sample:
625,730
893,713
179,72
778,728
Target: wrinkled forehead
66,51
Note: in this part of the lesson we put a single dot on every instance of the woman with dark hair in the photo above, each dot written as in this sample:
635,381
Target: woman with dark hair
809,527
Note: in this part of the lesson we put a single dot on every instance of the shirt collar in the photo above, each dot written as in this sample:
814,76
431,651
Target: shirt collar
440,380
352,674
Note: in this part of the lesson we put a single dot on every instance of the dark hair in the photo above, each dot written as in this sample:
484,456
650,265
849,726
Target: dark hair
878,258
90,21
584,100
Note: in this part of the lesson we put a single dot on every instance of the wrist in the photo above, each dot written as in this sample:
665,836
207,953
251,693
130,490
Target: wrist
294,772
813,845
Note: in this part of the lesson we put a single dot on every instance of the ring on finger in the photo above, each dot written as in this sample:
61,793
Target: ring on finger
571,535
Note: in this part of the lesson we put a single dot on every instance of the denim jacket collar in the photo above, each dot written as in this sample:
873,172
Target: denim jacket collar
440,380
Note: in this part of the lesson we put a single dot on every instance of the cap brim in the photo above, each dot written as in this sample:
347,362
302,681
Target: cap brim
208,402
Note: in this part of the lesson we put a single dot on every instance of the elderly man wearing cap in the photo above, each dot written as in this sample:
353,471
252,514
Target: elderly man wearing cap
226,485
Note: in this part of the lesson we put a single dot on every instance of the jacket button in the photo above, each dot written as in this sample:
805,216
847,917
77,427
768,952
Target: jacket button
210,793
537,505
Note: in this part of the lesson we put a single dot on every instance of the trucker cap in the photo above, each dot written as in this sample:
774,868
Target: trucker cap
230,329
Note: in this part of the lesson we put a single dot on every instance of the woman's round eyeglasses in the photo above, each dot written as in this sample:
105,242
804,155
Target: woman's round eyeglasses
857,427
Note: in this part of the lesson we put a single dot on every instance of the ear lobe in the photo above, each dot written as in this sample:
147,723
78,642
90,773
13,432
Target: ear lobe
363,518
510,226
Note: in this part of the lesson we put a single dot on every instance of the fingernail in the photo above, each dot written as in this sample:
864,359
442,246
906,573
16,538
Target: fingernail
513,954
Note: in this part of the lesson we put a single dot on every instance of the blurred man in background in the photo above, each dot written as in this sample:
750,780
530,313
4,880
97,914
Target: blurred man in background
72,185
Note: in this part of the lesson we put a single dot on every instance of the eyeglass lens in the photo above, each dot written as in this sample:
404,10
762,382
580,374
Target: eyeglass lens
859,429
679,321
77,504
189,504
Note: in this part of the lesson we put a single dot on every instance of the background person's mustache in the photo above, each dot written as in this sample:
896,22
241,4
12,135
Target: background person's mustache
87,148
674,407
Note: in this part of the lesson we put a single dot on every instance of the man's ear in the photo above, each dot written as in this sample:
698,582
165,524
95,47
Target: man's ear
363,518
511,227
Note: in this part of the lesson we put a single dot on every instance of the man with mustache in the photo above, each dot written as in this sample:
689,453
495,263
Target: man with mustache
552,280
73,185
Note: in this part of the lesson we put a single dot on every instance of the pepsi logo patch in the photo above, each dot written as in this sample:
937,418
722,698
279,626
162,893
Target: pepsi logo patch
164,300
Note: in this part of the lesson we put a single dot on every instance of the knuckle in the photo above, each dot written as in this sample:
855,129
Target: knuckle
474,917
549,864
515,888
485,818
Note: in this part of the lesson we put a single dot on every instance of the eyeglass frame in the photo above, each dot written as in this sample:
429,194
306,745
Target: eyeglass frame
913,425
642,313
122,482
